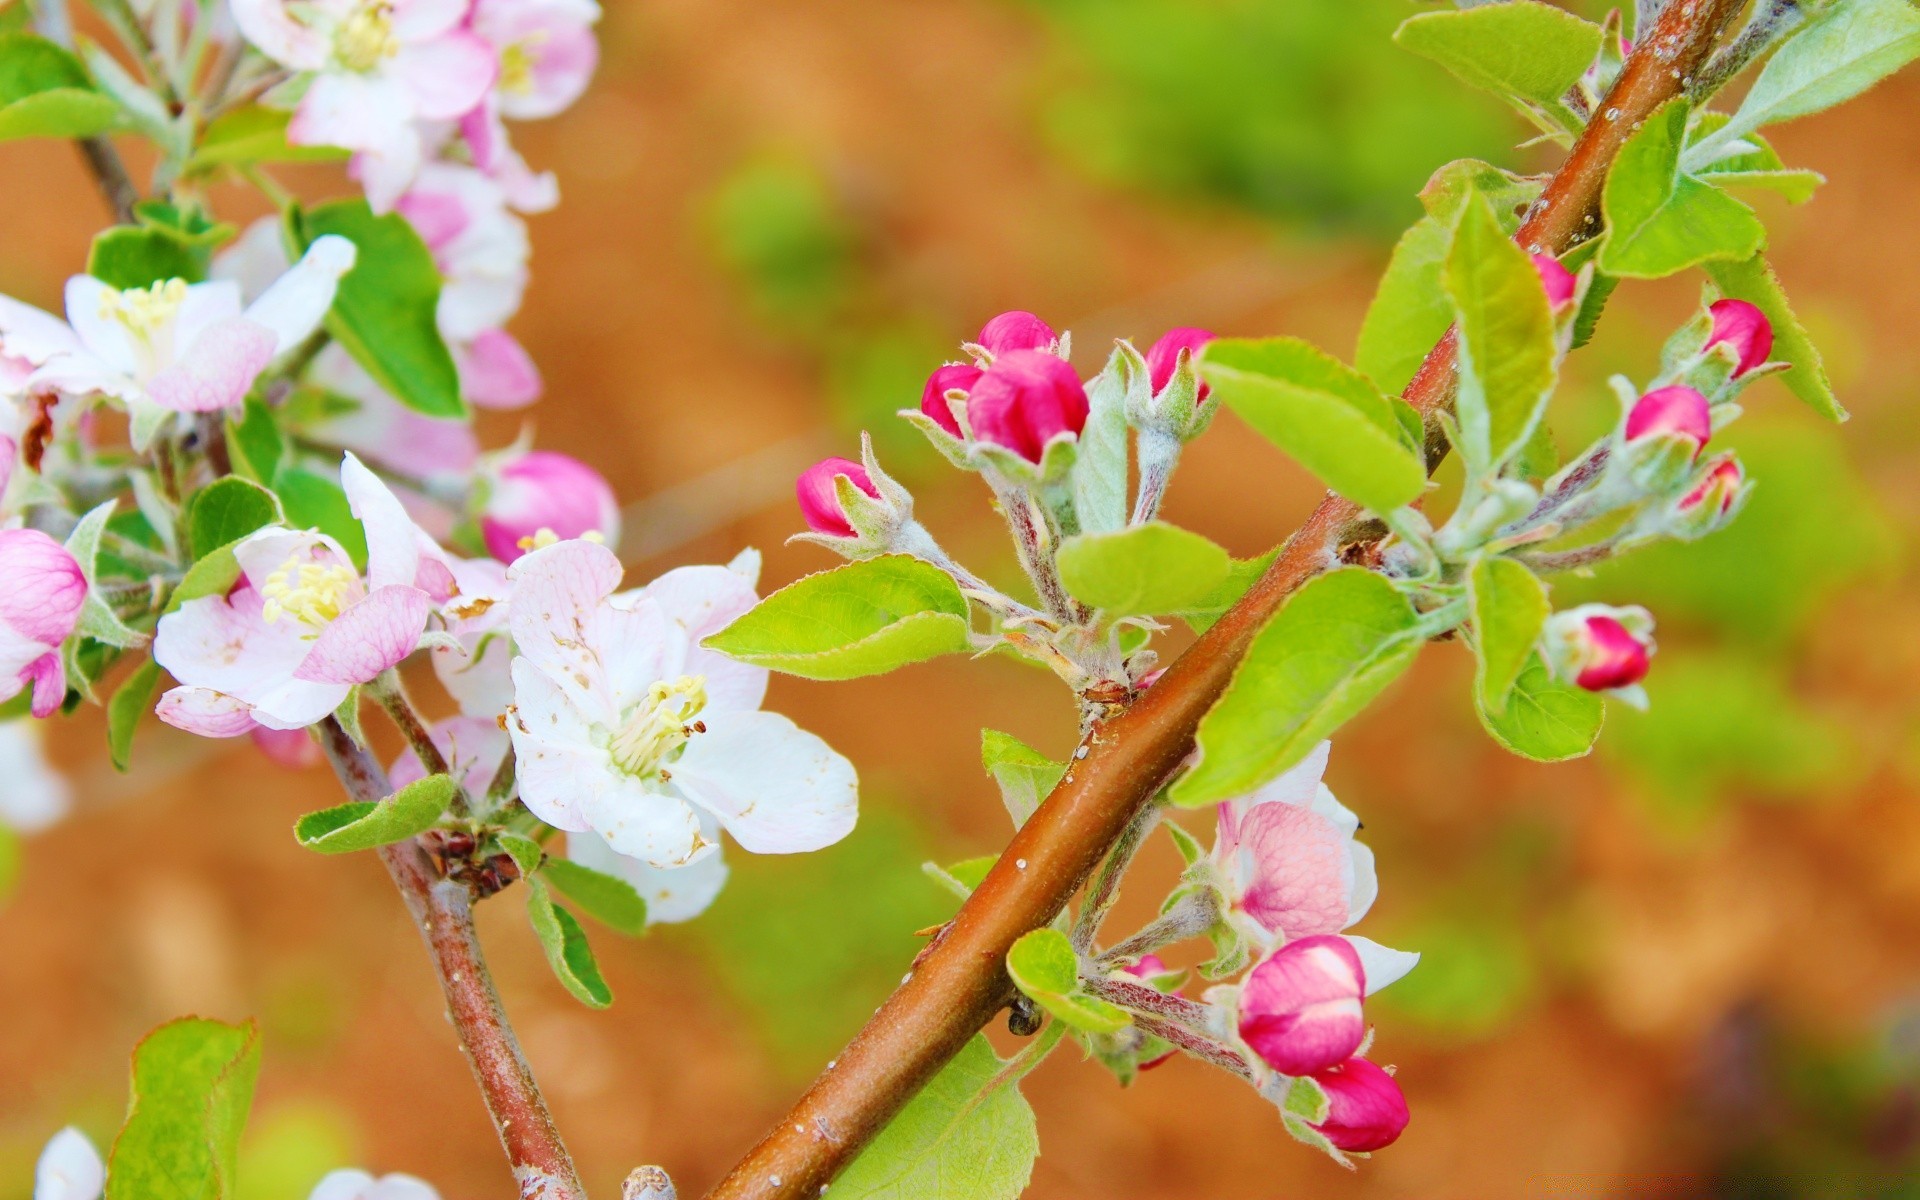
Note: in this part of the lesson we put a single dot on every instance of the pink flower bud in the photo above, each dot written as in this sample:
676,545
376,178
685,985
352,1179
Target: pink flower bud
954,377
1611,656
1300,1008
1016,331
1558,281
1366,1110
819,502
1147,967
1745,328
39,607
1164,356
1025,400
1718,488
1677,410
541,490
290,748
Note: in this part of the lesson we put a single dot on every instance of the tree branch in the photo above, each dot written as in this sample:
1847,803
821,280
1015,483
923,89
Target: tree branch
56,25
443,908
959,981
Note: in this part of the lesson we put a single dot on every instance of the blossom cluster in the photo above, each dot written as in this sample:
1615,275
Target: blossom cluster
70,1168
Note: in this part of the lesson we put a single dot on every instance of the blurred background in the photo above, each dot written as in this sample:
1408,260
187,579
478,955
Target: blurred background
1689,966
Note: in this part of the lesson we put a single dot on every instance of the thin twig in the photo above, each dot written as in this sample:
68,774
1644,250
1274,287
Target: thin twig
103,160
443,909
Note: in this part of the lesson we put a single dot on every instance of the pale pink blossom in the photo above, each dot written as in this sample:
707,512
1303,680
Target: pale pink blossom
1300,1007
289,748
382,430
372,70
547,53
626,727
302,627
540,495
39,607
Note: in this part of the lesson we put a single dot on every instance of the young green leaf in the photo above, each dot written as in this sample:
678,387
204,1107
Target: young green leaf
607,899
362,825
1546,720
1506,336
192,1086
129,704
213,575
131,256
1241,575
252,134
566,947
45,92
1847,49
1044,966
1323,413
97,620
1527,53
255,442
1329,651
966,1136
225,511
1660,221
1510,608
1024,775
384,311
315,502
1753,280
866,618
1100,464
1143,569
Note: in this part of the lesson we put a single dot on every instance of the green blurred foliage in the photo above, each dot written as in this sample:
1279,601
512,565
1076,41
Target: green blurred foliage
874,373
291,1145
776,226
1476,974
810,943
1305,112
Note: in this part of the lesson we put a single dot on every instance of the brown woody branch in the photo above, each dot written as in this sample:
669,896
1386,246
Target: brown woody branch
959,981
443,908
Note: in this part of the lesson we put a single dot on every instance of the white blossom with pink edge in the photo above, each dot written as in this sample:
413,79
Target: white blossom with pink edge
39,607
174,347
626,728
372,70
1286,859
69,1169
547,53
286,645
360,1185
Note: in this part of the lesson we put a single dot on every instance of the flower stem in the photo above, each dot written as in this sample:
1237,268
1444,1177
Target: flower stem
53,21
1106,885
443,909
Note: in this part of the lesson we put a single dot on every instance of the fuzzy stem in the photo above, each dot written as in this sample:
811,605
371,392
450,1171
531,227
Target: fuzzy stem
1191,917
1201,1047
443,909
960,981
1106,885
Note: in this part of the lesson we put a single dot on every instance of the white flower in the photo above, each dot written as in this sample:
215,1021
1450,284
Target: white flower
624,726
359,1185
69,1169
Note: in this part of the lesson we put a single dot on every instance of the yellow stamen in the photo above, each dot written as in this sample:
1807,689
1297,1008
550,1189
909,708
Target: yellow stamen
516,64
659,726
544,537
144,311
309,592
364,39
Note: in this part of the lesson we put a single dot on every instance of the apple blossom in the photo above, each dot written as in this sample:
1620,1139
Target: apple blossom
302,628
474,748
1300,1007
1026,401
480,247
626,727
1163,357
69,1169
382,430
1744,328
1556,279
175,346
1676,411
359,1185
39,607
1016,330
673,894
1601,648
372,70
547,53
36,794
1366,1110
819,502
540,490
945,380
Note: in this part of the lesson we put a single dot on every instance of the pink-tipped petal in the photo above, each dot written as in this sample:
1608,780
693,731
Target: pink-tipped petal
295,304
368,638
47,676
819,501
217,369
1016,330
545,490
393,540
1366,1110
1164,355
44,587
1745,328
1300,1008
1301,871
953,377
206,712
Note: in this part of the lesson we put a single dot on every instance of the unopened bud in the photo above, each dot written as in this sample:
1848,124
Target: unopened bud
819,496
1743,327
1559,282
953,377
1300,1008
1027,400
1710,501
1016,330
544,491
1600,648
1676,411
1366,1110
1164,357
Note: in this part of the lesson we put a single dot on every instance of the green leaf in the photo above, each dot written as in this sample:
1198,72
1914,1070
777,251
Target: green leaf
1546,719
362,824
566,947
1024,775
384,311
866,618
192,1085
1323,413
1044,966
1241,575
315,502
129,704
225,511
1660,221
1506,336
1510,608
213,575
255,443
961,1138
611,901
1753,280
1850,47
45,92
1100,463
1328,652
129,256
252,134
1526,53
97,620
1143,569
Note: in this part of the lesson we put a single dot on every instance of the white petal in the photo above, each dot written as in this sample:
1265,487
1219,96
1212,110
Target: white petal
557,598
672,895
35,796
69,1169
205,305
775,787
298,301
393,540
297,704
704,600
557,763
1365,888
1299,783
1382,964
33,334
267,24
104,337
654,827
480,681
